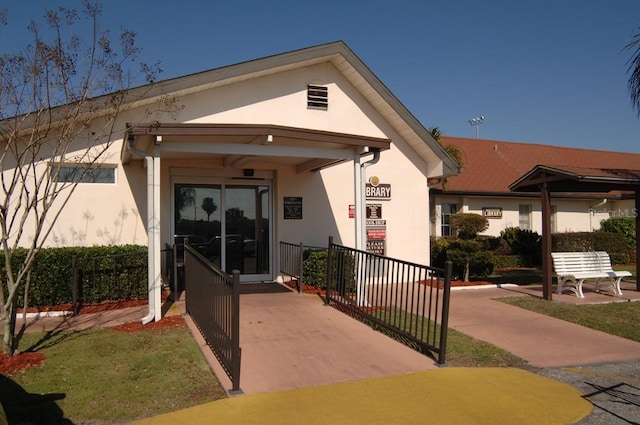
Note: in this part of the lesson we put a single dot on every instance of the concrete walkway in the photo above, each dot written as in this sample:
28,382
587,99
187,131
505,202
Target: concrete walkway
541,340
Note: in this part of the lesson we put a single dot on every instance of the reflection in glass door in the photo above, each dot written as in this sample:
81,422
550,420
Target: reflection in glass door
239,238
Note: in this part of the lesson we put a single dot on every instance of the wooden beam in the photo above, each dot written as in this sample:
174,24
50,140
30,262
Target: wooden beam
547,284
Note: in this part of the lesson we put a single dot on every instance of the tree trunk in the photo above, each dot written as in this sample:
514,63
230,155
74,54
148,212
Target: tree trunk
466,271
9,324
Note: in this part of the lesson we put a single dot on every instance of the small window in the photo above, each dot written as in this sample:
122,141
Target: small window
445,226
317,97
524,217
554,219
82,174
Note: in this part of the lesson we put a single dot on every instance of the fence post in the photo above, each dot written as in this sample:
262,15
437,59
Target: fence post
301,268
444,324
74,284
235,333
328,276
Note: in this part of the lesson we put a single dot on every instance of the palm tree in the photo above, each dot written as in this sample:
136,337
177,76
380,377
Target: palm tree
185,197
458,154
633,68
209,207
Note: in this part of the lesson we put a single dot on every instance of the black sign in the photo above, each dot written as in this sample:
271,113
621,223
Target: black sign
374,211
293,208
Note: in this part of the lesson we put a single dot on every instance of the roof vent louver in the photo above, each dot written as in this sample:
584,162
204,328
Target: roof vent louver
317,97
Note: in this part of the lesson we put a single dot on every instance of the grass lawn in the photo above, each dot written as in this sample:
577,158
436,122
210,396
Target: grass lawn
112,376
619,319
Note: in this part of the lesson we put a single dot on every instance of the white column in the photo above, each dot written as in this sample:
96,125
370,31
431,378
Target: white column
358,202
157,281
150,241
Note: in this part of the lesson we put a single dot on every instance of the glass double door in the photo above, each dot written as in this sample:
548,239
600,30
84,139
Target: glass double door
228,223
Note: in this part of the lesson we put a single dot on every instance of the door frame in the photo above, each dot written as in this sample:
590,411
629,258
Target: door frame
222,178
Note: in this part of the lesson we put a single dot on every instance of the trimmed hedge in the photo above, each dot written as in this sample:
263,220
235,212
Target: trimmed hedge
101,278
612,243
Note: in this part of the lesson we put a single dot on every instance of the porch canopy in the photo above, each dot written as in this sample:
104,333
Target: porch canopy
238,146
548,179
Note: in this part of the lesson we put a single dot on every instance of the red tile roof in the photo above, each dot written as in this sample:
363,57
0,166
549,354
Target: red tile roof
491,165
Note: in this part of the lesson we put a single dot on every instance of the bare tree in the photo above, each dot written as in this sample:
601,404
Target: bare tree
60,97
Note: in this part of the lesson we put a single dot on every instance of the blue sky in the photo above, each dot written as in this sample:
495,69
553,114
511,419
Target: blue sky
542,71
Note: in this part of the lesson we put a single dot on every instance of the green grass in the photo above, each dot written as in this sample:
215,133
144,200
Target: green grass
117,376
462,350
619,319
465,351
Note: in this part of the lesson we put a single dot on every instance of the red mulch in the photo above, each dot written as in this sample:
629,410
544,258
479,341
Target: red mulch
19,362
169,322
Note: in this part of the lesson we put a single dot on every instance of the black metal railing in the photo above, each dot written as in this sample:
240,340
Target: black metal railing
407,301
109,278
213,302
292,258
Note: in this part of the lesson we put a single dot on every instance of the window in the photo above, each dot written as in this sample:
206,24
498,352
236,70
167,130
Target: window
82,174
524,216
554,219
317,97
447,211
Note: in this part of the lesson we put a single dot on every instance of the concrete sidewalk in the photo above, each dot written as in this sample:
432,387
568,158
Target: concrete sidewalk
541,340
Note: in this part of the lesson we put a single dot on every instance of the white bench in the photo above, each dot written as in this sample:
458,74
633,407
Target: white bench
572,268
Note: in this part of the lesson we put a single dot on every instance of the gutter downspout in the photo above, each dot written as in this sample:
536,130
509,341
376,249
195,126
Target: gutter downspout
150,244
593,212
361,291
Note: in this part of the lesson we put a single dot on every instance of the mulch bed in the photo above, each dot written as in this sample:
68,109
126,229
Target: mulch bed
19,362
23,361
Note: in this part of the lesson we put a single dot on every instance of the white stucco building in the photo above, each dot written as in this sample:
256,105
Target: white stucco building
283,148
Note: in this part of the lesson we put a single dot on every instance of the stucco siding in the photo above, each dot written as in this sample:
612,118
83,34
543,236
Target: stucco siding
281,99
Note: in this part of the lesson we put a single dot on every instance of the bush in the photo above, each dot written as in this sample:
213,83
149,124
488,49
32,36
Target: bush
314,269
52,275
623,226
468,225
523,242
612,243
463,253
505,261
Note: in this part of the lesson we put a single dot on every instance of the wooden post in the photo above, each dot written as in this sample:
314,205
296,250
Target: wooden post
547,287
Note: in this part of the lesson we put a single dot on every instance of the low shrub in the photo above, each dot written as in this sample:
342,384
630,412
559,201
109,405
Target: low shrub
101,278
314,270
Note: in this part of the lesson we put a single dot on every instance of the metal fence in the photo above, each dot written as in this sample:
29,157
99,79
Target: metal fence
407,301
109,278
214,306
292,258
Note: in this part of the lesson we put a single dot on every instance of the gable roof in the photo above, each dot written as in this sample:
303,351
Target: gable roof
492,166
353,69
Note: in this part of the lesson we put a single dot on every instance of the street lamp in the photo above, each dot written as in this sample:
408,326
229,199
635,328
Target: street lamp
475,122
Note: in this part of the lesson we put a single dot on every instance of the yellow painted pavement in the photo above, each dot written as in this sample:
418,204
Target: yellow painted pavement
448,396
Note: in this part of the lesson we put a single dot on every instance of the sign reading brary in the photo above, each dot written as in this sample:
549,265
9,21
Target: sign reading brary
376,190
293,207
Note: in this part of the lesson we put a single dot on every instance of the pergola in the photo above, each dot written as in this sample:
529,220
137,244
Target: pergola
548,179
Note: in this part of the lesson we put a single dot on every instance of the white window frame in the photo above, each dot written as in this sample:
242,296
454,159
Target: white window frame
524,216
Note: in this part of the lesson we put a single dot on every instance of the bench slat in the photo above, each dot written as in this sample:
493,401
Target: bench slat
572,268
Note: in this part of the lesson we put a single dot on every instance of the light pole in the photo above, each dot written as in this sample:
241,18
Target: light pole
475,122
